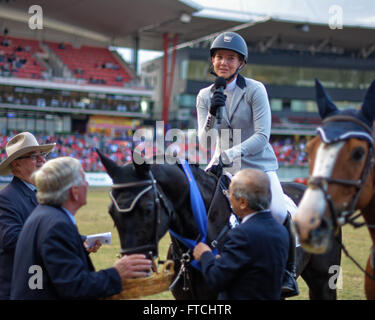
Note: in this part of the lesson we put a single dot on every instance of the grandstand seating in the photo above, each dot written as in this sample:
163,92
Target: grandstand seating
276,119
305,120
92,64
95,65
82,147
14,51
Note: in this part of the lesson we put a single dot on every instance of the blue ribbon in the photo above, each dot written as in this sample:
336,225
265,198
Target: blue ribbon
199,214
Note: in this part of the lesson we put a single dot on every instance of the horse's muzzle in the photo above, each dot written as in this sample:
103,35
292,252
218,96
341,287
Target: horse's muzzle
318,238
148,250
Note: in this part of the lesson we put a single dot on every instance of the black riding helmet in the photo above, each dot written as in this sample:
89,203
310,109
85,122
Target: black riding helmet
229,41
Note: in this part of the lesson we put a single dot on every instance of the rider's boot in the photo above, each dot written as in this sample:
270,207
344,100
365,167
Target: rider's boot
290,287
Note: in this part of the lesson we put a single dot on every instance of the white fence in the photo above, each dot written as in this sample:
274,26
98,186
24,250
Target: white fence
102,179
95,179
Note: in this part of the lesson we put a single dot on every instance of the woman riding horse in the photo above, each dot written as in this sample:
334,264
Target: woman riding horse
244,105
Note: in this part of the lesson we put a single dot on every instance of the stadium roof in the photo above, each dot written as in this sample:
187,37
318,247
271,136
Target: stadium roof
118,22
110,22
314,36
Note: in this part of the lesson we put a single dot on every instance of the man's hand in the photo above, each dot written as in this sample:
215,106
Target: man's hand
133,266
94,248
199,249
217,101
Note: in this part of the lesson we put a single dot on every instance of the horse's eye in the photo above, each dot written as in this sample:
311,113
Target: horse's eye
358,154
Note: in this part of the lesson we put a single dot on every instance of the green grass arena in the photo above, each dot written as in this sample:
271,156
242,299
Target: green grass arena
94,218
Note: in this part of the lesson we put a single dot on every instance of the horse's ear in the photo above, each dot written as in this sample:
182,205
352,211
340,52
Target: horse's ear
368,107
141,167
110,166
325,105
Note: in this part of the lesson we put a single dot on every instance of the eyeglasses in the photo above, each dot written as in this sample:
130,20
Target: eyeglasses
35,156
226,193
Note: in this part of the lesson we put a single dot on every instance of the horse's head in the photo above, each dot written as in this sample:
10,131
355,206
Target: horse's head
340,170
138,208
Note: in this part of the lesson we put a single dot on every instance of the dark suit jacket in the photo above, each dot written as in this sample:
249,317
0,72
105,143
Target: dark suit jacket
252,261
17,201
51,241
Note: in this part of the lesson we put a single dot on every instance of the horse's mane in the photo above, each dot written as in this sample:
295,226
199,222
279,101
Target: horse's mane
169,160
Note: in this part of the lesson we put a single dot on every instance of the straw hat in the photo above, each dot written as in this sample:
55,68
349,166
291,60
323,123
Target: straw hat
19,145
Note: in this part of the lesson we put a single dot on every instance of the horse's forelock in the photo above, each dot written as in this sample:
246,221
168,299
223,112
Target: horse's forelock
127,173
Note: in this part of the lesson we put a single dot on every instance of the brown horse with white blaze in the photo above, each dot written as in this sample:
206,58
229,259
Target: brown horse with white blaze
341,177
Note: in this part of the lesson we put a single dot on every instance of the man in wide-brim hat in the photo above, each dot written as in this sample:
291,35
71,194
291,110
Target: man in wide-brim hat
18,199
22,146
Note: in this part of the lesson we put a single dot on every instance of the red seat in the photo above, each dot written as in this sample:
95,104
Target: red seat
31,66
90,61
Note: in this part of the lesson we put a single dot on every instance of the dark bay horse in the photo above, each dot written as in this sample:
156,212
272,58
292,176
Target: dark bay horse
341,177
148,200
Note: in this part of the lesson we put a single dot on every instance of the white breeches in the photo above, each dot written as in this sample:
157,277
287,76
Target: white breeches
278,207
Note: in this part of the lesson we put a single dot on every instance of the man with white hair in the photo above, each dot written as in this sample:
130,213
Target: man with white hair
18,198
252,261
51,246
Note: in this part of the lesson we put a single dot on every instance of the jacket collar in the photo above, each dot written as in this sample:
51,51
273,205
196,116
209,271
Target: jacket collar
239,91
25,189
27,192
241,81
251,215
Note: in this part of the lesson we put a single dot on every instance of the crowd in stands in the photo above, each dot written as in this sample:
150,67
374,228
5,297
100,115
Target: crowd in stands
289,152
67,101
91,64
83,147
16,58
95,65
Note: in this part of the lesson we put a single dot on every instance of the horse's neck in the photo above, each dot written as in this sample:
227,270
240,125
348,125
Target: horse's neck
183,221
369,217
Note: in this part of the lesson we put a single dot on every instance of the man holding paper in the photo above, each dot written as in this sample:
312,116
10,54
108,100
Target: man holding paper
94,241
51,261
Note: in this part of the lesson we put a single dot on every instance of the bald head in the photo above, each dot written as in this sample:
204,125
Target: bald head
254,186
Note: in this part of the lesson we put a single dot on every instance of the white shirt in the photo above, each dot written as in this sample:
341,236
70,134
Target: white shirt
229,91
230,87
252,215
29,185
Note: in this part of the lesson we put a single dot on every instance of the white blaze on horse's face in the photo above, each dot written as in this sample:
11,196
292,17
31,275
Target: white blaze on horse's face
313,204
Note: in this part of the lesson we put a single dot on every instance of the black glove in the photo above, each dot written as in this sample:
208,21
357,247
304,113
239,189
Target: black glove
217,100
217,169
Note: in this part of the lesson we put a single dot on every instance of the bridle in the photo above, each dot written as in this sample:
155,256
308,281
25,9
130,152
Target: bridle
159,199
341,217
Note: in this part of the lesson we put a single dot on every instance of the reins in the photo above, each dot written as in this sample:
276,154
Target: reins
338,217
159,199
151,184
372,277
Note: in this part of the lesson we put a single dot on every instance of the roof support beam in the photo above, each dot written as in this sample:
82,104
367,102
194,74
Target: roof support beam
268,44
320,46
367,52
